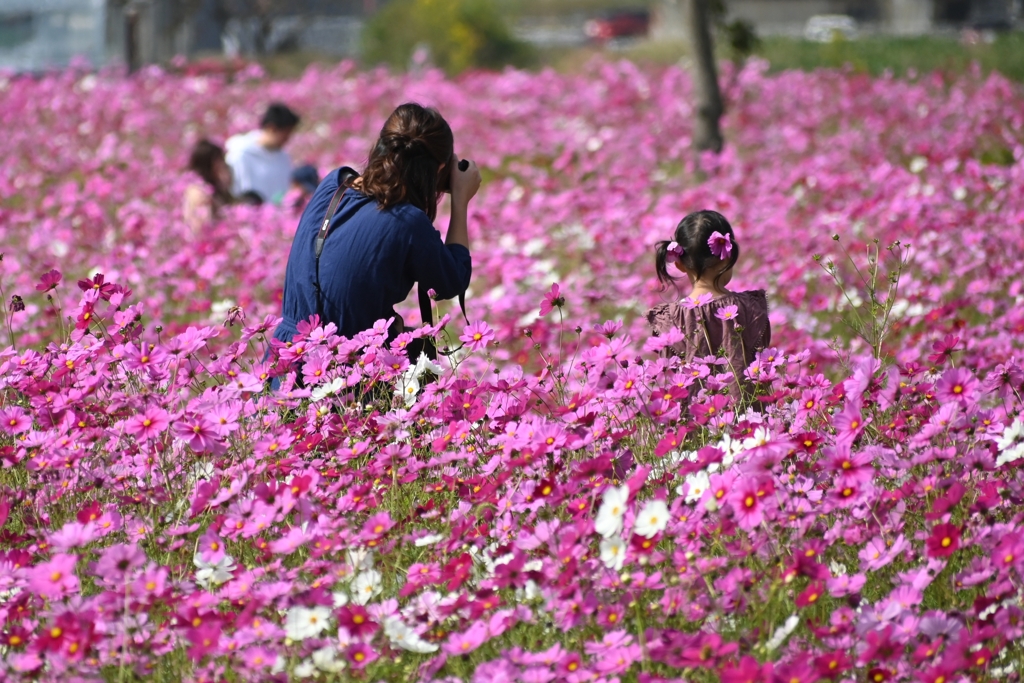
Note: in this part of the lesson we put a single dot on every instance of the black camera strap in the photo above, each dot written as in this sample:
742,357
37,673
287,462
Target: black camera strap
346,176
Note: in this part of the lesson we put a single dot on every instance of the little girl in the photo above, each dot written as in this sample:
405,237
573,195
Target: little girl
712,319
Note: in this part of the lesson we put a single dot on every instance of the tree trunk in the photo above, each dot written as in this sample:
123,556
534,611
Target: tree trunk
708,98
131,38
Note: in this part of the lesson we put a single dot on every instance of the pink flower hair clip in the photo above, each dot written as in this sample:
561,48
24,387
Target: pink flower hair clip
674,252
721,245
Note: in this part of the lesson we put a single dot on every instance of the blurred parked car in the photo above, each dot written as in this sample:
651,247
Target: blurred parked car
824,28
618,24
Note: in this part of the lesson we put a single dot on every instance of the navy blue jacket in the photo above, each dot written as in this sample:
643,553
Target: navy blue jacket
370,260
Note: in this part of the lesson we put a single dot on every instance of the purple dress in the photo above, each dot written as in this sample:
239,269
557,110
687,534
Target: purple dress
737,340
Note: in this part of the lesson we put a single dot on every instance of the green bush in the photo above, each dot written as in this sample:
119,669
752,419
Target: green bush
460,34
876,54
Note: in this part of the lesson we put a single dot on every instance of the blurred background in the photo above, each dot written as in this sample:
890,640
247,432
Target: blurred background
288,35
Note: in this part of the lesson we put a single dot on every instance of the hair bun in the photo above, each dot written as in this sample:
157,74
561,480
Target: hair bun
401,143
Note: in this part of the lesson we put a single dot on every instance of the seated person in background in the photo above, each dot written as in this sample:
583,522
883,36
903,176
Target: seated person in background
257,158
305,180
712,320
203,201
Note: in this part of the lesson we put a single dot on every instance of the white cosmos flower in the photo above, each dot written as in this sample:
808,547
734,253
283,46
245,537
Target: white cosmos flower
429,539
408,387
761,437
209,575
322,391
404,637
697,483
730,449
340,598
613,508
781,633
366,586
652,520
360,558
326,659
304,669
305,622
424,364
1011,447
613,552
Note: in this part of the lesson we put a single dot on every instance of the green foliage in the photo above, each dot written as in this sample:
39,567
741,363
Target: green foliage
460,34
878,54
869,294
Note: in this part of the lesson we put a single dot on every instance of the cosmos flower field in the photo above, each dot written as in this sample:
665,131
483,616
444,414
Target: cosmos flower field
561,503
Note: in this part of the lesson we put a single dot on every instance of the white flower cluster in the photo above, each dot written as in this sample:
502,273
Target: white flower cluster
404,637
409,385
1011,445
212,574
650,521
306,622
781,633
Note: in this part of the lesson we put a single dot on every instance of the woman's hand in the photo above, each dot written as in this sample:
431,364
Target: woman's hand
464,183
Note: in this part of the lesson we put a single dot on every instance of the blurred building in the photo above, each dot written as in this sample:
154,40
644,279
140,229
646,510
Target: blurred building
38,34
891,16
44,34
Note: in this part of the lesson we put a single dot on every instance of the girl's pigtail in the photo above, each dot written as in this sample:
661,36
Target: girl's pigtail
661,263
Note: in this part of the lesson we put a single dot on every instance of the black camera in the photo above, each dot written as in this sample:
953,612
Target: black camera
444,181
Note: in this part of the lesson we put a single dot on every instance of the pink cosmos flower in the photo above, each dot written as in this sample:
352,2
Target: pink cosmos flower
850,423
944,349
56,578
377,525
746,503
14,420
956,384
356,620
477,335
944,540
149,425
199,434
674,252
204,639
727,312
48,281
551,300
608,328
466,641
748,670
360,655
211,547
692,302
720,245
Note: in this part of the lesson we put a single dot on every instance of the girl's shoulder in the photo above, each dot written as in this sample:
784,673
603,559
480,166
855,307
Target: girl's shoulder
665,316
755,299
672,313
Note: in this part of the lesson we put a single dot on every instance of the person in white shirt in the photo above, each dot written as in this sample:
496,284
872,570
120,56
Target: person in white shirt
259,164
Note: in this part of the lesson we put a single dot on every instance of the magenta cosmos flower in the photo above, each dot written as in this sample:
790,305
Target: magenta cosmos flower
944,541
56,578
477,335
552,300
720,245
148,425
956,384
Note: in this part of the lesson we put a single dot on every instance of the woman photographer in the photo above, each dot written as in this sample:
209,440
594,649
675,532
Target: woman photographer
381,238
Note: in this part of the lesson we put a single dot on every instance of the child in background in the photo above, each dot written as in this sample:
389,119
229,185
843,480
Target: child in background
204,200
712,319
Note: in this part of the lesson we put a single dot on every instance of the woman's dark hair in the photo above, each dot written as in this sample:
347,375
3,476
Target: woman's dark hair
404,162
202,160
692,234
